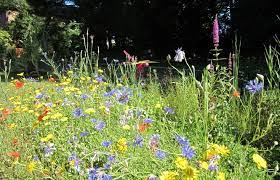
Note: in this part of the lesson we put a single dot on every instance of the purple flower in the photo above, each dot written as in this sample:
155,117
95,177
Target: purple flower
77,113
138,141
99,79
188,152
84,96
168,110
111,158
154,140
254,86
110,93
160,154
182,141
83,134
93,120
92,174
148,120
107,165
49,149
104,177
100,125
123,95
216,32
73,157
213,167
39,96
153,177
106,143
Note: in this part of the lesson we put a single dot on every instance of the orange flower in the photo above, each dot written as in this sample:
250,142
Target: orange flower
143,126
19,84
6,111
15,141
51,79
236,94
14,154
46,111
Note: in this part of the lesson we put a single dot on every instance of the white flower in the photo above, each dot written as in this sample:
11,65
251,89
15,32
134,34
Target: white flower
180,55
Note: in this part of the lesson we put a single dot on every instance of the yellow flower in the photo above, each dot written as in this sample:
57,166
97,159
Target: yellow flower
122,145
169,175
221,176
20,74
64,119
126,127
261,162
158,106
11,126
100,70
190,173
203,165
31,166
181,163
56,116
47,138
119,85
90,111
70,72
221,149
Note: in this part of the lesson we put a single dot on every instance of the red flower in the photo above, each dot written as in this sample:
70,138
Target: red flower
236,94
15,141
14,154
19,84
5,113
46,111
143,126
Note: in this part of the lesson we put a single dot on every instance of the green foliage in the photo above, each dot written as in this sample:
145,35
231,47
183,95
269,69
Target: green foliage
5,42
20,5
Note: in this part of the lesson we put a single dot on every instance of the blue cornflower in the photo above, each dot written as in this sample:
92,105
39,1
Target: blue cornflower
111,158
100,125
148,120
107,165
106,143
182,141
39,96
123,95
153,177
110,93
104,177
49,149
84,96
92,174
168,110
213,167
254,86
49,104
78,112
99,79
138,141
188,152
160,154
84,133
93,120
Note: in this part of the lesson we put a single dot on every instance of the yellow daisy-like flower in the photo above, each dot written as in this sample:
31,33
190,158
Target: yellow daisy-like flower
90,111
203,165
11,126
31,166
122,145
158,106
221,149
169,175
181,163
260,161
190,173
221,176
47,138
126,127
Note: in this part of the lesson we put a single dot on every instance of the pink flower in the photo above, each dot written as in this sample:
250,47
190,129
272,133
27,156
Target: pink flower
216,32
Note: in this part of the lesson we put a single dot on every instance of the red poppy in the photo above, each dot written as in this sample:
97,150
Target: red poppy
6,111
143,126
46,111
14,154
19,84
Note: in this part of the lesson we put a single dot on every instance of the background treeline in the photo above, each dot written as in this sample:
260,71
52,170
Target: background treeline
159,26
